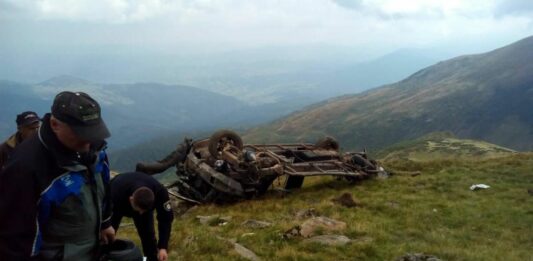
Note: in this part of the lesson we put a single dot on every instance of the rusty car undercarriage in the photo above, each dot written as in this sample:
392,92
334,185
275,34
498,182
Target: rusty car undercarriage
223,169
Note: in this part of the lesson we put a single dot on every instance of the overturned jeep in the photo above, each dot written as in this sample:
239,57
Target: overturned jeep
223,169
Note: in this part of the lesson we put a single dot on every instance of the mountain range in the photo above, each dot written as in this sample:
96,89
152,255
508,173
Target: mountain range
485,96
294,76
137,112
237,95
278,81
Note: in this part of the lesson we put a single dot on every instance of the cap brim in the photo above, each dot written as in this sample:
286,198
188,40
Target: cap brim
30,122
92,133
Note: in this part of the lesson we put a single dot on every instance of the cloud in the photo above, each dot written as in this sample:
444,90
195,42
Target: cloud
416,9
9,9
514,7
131,11
243,23
107,11
351,4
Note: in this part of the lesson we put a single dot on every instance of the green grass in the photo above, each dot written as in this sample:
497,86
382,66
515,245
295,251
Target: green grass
442,146
434,213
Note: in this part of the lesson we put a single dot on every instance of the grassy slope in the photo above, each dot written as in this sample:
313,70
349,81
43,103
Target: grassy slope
442,145
487,96
434,213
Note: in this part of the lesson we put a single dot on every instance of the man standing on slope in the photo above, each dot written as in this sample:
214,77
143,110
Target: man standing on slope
54,192
27,124
136,195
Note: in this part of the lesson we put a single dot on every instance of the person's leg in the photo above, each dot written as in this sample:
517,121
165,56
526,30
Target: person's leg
145,227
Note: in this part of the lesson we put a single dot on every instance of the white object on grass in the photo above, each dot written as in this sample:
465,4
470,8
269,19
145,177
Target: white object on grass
479,186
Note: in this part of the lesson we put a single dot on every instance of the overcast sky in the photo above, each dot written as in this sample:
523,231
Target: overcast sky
166,26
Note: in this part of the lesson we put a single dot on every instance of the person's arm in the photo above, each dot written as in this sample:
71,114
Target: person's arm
164,217
18,213
107,231
3,155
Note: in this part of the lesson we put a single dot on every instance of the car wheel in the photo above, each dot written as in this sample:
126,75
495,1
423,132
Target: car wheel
327,143
222,138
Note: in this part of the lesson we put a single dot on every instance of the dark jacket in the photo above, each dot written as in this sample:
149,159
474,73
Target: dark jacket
6,149
123,186
53,202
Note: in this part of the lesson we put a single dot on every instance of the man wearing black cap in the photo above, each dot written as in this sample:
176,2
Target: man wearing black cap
27,124
136,195
54,192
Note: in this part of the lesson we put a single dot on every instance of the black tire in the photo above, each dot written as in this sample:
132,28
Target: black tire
265,183
327,143
222,137
294,182
124,250
363,163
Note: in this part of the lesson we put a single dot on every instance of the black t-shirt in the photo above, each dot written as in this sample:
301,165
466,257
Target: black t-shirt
123,186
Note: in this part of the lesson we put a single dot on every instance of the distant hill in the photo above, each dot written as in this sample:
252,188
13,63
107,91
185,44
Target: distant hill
293,85
485,96
387,69
136,112
290,76
442,146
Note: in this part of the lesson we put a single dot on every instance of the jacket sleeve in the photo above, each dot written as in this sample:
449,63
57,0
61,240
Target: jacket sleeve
107,204
164,217
3,155
19,234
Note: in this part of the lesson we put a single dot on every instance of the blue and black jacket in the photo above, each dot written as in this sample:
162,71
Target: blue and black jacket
53,198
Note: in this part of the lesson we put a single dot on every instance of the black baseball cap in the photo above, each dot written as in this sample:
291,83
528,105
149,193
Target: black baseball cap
82,114
27,118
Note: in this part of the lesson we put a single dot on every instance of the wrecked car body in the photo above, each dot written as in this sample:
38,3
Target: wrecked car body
224,169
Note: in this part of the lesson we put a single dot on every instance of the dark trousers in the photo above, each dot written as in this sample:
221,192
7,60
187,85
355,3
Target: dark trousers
145,228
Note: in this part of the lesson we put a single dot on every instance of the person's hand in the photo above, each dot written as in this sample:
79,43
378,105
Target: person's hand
107,235
162,255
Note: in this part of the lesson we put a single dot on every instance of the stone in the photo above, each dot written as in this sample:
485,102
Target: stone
240,249
245,252
347,200
214,220
362,240
307,213
189,213
292,232
416,173
180,207
248,234
312,225
418,257
383,175
252,223
330,240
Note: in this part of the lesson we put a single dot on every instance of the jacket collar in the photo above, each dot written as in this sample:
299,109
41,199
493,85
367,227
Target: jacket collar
14,140
64,156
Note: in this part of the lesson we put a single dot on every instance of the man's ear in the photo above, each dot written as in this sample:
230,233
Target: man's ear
54,124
